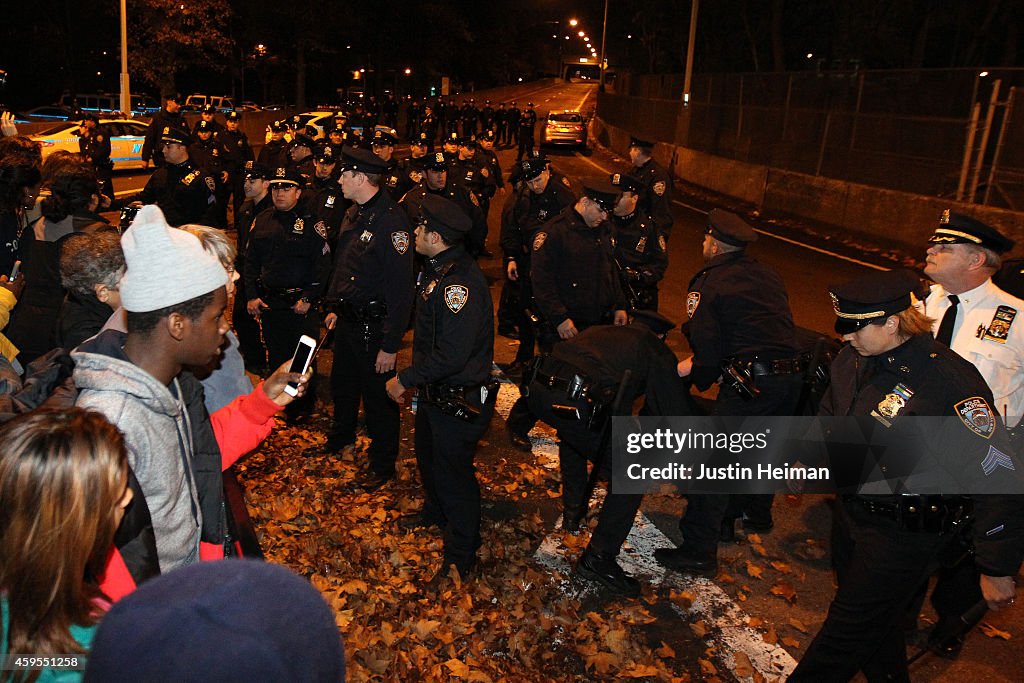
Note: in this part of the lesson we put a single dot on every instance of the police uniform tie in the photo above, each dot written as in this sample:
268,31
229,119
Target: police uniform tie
945,333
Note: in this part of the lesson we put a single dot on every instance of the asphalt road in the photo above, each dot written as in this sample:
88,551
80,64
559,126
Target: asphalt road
808,262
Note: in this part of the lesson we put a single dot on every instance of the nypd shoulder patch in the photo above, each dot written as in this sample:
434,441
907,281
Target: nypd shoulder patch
538,240
692,301
659,188
400,240
455,297
976,414
321,229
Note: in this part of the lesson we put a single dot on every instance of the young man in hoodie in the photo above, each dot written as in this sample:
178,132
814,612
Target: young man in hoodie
176,449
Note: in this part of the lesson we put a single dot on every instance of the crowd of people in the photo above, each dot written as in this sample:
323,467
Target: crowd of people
127,399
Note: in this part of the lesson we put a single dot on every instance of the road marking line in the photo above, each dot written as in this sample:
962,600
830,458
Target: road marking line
727,623
766,233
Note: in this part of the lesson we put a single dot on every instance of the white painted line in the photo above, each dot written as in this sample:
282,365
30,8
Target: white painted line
788,240
727,624
125,193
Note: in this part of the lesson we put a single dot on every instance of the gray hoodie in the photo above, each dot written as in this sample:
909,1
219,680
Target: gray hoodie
158,437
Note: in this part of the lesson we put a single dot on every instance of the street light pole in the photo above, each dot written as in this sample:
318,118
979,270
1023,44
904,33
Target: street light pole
688,77
126,97
604,33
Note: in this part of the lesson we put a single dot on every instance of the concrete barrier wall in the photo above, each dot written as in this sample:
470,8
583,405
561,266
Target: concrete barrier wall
884,216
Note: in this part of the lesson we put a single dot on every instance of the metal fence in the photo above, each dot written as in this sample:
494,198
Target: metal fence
953,133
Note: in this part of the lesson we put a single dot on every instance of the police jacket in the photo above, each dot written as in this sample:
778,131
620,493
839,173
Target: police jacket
475,174
208,156
391,180
604,352
151,146
526,212
184,192
988,334
410,172
96,148
527,120
328,206
493,166
286,252
467,201
244,218
236,149
374,263
572,272
931,380
639,248
274,154
737,308
656,199
454,342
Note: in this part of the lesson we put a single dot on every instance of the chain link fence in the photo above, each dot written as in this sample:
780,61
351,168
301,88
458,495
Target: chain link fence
953,133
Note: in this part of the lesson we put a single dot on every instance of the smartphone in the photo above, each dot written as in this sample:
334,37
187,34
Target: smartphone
300,361
15,271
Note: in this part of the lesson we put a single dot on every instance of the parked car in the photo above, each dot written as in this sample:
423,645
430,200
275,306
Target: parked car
197,101
249,105
317,119
49,113
126,138
564,128
107,103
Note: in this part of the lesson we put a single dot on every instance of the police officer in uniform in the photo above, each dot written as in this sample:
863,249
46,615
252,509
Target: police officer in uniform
300,157
437,181
469,116
207,153
454,115
527,128
371,294
325,199
256,187
453,349
383,145
472,171
169,116
275,153
890,535
512,116
501,124
490,158
208,115
739,317
537,201
450,147
411,168
584,374
656,199
487,117
237,152
95,146
412,119
977,320
183,191
640,251
428,125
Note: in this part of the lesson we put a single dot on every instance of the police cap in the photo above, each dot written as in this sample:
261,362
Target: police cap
489,135
654,321
725,226
175,97
452,139
233,116
278,126
205,127
176,135
361,160
626,183
255,171
435,162
467,141
872,297
423,140
286,176
325,155
384,138
601,192
531,168
208,109
303,140
642,144
446,217
955,228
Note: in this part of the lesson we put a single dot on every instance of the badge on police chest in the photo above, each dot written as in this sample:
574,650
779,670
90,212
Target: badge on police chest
977,415
641,245
299,226
890,406
366,237
999,329
456,296
330,201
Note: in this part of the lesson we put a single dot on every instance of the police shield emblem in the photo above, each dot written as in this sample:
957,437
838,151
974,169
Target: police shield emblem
977,415
400,240
659,188
538,240
321,229
299,226
456,296
329,203
692,301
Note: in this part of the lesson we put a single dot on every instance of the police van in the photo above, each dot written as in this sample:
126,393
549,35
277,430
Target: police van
107,103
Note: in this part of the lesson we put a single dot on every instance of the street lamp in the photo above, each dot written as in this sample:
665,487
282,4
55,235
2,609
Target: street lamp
573,22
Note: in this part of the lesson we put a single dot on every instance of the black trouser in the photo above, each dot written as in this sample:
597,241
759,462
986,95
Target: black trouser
282,328
247,329
445,446
525,144
577,445
353,377
527,329
878,568
508,305
702,522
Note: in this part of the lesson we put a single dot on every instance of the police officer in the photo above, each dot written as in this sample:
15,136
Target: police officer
208,115
976,319
537,201
237,152
453,349
501,124
640,252
169,116
383,145
490,158
335,137
411,168
325,165
473,171
656,199
300,157
596,361
324,199
207,153
512,116
371,294
412,119
469,117
487,117
739,317
256,187
450,147
95,146
183,191
275,153
454,115
428,125
527,131
286,268
886,543
437,181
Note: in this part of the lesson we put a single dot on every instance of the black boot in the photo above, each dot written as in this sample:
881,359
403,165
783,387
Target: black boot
686,561
607,572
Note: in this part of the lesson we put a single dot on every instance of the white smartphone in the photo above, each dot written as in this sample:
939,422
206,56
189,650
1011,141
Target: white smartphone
14,271
300,361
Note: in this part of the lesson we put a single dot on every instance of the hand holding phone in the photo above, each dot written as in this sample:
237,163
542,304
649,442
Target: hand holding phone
301,361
